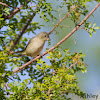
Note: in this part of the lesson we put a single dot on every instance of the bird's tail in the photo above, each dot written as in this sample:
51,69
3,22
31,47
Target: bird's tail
22,52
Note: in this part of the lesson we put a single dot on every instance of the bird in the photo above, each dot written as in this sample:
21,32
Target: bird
35,45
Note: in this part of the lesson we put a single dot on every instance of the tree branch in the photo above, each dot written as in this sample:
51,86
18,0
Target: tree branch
66,37
29,23
62,19
71,66
12,13
22,32
6,5
24,29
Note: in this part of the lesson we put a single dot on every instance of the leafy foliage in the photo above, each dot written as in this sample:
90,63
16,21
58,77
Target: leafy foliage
52,80
91,29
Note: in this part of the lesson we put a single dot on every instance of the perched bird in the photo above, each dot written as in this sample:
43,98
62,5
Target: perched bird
35,45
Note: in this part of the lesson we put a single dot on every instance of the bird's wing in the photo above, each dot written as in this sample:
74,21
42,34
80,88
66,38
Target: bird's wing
29,42
23,52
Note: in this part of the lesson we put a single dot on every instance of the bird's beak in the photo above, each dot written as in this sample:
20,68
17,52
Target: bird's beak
48,38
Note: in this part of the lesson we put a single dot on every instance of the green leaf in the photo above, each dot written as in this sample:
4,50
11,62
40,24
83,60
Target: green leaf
90,34
91,29
94,25
1,19
42,13
94,31
89,24
97,27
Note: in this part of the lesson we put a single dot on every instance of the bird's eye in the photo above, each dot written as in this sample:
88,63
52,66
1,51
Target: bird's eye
45,36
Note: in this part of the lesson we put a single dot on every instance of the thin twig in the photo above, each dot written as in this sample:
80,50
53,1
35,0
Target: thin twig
14,12
62,19
6,5
31,20
66,37
71,66
24,29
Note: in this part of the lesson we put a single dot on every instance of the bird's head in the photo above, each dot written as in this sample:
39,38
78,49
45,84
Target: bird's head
44,36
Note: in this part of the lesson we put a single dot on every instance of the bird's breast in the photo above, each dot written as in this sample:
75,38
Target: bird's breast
35,47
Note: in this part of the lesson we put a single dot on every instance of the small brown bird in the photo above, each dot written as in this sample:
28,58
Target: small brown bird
35,45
